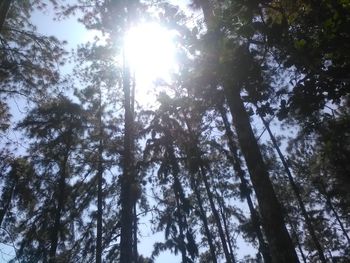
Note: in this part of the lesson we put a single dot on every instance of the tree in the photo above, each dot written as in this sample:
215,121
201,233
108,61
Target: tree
57,127
76,194
103,144
244,73
29,61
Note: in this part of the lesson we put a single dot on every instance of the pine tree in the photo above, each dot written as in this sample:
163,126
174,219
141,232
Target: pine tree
56,127
241,67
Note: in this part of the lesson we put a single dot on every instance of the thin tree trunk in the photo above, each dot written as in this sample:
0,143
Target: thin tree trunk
295,235
4,8
128,177
99,187
204,220
330,205
182,246
135,233
135,251
329,202
296,191
223,216
58,213
179,195
236,163
216,215
280,243
203,176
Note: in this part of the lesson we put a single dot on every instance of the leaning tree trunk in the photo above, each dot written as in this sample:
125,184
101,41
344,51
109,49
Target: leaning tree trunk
236,163
203,217
332,208
296,191
216,215
194,186
222,206
280,243
203,176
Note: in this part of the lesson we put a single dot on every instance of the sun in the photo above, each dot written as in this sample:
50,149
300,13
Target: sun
150,52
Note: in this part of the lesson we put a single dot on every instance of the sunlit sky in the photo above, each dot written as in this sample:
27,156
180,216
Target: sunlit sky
150,52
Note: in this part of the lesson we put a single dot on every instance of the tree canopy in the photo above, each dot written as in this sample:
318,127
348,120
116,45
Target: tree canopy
242,156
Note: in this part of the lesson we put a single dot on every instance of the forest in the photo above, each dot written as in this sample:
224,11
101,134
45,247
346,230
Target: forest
242,155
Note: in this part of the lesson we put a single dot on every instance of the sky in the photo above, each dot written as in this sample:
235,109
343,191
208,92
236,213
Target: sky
75,33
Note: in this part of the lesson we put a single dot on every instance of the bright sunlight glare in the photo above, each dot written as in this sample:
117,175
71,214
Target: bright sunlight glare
150,53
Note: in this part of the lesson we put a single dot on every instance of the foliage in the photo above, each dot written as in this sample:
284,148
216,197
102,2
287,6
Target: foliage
198,163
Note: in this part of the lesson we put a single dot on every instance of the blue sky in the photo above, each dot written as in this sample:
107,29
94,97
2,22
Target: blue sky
75,33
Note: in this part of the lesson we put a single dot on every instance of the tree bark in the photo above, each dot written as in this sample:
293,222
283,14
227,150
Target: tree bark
236,163
281,246
280,243
99,187
128,177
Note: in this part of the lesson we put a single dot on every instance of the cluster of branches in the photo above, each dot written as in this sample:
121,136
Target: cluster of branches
96,164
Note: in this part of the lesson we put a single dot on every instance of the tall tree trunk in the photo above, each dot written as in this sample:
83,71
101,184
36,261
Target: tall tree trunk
296,191
59,209
203,217
180,222
99,186
221,202
236,163
216,215
135,224
281,246
178,192
196,157
4,8
128,177
280,243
